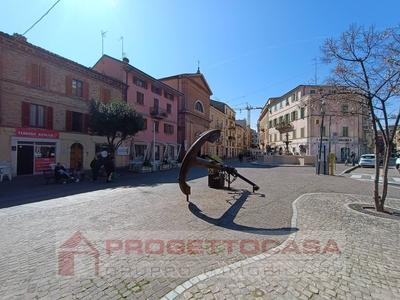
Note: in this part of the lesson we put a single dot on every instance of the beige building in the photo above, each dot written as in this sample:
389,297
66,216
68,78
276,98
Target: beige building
292,124
217,122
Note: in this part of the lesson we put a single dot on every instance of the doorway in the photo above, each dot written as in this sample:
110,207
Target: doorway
25,159
76,155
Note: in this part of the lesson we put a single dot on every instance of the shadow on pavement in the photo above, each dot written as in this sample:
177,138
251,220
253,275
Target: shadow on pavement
227,219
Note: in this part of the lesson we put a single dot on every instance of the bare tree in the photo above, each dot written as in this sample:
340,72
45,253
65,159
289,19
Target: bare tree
367,63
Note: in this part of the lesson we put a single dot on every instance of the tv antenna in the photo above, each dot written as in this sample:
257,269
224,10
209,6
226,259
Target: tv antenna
103,35
123,53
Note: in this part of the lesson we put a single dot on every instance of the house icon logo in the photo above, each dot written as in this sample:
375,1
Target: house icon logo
66,260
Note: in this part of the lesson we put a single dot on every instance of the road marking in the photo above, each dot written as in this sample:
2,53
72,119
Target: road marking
356,176
396,179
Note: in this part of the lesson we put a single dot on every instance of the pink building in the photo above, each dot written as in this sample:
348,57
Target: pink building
157,102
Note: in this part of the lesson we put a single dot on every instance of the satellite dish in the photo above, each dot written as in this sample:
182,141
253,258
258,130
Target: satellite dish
104,154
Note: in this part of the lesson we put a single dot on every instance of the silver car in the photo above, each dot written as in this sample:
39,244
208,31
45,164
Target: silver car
367,160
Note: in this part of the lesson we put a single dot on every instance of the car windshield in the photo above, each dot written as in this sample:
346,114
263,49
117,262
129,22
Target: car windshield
368,156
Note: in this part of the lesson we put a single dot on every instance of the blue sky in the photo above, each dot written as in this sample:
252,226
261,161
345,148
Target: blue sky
249,50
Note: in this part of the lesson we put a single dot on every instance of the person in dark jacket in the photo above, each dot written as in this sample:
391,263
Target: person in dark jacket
61,173
95,166
110,168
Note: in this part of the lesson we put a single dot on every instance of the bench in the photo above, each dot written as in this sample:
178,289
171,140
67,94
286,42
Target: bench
49,175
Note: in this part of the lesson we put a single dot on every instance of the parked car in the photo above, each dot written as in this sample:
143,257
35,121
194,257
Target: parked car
367,160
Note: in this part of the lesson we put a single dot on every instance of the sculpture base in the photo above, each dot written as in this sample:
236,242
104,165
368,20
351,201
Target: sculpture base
216,181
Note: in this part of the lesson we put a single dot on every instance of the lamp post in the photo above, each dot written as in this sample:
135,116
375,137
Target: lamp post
320,141
154,145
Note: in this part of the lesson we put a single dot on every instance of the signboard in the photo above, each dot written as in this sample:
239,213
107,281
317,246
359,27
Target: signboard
335,139
37,133
43,164
123,150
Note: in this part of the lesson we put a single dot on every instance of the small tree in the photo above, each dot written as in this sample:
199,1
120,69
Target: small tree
116,120
367,64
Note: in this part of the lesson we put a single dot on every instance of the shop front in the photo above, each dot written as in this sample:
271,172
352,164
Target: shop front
33,150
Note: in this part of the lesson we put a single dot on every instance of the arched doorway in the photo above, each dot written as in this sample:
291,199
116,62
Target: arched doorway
76,154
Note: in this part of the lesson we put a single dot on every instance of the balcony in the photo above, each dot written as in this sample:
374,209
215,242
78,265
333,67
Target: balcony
231,117
158,112
231,138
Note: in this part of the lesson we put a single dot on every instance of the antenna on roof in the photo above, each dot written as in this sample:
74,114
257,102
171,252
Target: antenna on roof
198,67
316,72
123,53
103,35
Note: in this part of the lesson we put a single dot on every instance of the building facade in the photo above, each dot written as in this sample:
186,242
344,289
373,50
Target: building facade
295,122
217,122
193,108
156,101
43,107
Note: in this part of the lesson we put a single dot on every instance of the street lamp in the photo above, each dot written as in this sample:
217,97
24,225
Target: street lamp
154,145
320,141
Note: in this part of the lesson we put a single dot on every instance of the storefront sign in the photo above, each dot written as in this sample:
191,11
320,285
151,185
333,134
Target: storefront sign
37,133
123,151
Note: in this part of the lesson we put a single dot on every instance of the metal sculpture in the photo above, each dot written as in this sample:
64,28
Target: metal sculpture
191,159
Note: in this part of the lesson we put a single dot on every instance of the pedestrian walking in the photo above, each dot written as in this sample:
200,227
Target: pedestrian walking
110,169
353,158
95,166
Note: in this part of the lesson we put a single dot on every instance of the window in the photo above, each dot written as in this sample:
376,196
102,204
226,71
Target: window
302,132
105,96
345,109
212,117
36,118
270,110
345,131
139,82
169,108
168,129
77,88
140,98
199,107
302,112
281,104
168,96
144,124
275,107
280,119
156,90
287,101
270,124
37,75
287,118
34,115
157,126
312,91
76,122
294,134
275,139
294,115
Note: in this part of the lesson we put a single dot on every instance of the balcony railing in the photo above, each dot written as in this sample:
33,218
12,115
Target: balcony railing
231,137
158,112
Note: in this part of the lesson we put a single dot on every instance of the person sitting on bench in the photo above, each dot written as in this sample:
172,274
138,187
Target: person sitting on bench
78,171
61,173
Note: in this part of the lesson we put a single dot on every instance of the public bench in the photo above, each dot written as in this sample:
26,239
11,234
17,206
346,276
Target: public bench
49,175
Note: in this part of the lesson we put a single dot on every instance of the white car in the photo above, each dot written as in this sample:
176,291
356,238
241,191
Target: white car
398,164
367,160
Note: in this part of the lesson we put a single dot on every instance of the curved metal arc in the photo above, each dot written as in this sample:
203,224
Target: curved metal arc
191,158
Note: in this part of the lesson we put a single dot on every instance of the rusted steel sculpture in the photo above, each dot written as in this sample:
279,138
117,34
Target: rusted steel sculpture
191,159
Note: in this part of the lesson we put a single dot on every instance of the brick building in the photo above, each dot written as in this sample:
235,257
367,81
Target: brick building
43,107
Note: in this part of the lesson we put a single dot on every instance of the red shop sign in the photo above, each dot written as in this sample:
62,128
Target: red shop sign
37,133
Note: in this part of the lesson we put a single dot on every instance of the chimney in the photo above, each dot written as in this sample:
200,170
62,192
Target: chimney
125,60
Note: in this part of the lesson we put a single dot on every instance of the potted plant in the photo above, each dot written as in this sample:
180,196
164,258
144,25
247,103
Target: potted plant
216,178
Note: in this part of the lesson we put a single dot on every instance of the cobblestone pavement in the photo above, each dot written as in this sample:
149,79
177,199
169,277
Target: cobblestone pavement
140,239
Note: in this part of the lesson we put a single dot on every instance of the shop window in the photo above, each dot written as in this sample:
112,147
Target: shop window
39,116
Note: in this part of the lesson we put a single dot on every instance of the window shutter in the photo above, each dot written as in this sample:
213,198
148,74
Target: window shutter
69,85
145,85
25,114
68,120
134,80
172,129
165,128
49,117
42,76
35,74
85,123
152,88
85,90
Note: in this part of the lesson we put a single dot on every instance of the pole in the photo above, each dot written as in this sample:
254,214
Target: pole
320,143
154,145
